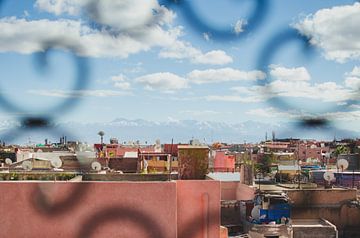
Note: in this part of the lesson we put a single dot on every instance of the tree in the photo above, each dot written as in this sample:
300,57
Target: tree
341,149
264,164
101,134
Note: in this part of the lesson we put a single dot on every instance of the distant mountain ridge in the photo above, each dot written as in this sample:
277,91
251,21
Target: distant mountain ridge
179,130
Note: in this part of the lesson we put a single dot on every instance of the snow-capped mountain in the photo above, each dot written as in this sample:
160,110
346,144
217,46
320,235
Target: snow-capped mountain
180,130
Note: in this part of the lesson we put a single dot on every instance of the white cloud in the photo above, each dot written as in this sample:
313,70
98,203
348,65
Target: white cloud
344,116
78,93
183,50
239,26
291,74
336,30
214,57
201,113
22,36
129,15
234,98
223,75
121,82
352,79
206,36
58,7
167,82
271,112
119,78
125,29
122,85
295,82
290,83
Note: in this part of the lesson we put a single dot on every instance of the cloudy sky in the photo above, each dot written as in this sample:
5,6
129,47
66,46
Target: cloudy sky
200,60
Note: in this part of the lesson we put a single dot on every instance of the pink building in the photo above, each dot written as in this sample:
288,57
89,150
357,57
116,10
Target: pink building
315,150
120,157
224,162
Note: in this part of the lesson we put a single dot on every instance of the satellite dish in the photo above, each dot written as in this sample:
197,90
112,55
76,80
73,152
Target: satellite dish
255,212
27,165
96,166
329,176
342,164
8,161
56,163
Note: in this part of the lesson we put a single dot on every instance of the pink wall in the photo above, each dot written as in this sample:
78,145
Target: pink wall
198,205
224,162
108,209
236,191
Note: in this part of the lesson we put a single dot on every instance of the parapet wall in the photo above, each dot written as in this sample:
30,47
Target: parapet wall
110,209
329,204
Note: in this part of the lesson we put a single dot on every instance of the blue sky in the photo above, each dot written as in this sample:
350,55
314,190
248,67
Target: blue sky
148,61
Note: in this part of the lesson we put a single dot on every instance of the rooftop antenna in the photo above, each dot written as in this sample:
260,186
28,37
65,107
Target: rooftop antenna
27,165
56,163
8,161
342,164
170,167
96,166
329,177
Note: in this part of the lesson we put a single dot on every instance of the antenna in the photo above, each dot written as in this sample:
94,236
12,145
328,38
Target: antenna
56,163
27,165
329,176
96,166
8,161
342,164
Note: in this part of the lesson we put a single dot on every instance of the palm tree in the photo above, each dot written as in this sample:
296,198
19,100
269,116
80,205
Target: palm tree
101,134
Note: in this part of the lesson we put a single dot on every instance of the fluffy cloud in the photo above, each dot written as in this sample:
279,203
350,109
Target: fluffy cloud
78,93
128,27
271,112
239,26
166,82
293,83
291,74
336,30
58,7
234,98
223,75
121,82
20,35
183,50
200,113
122,15
353,78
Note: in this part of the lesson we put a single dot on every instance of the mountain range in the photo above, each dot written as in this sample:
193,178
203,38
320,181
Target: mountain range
181,131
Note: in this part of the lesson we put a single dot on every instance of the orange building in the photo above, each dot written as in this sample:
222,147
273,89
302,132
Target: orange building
224,162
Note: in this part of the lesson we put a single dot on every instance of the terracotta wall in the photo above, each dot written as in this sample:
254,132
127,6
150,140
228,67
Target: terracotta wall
109,209
321,196
236,191
329,204
198,204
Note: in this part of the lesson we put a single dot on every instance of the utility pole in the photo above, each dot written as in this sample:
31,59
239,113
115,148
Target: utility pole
171,149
